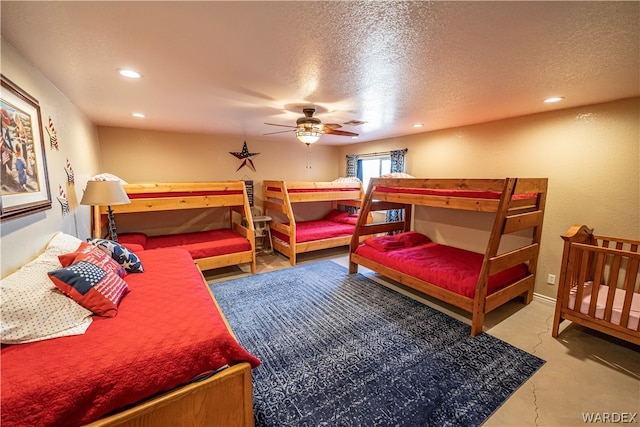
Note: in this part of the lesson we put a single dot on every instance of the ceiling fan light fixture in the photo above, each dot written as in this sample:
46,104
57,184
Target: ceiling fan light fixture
307,136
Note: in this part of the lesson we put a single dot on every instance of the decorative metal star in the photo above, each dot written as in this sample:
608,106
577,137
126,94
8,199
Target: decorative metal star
245,156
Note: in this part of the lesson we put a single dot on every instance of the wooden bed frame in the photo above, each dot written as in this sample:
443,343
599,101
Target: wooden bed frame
511,215
230,194
609,261
279,196
223,400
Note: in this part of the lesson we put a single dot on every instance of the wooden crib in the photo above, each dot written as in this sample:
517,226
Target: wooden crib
599,284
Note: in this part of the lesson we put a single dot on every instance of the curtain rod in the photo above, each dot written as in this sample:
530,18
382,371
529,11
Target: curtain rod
376,154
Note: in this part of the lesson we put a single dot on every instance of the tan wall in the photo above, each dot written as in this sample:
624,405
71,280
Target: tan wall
24,238
147,156
590,155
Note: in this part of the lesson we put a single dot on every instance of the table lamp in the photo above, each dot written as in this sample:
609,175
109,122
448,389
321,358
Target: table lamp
105,193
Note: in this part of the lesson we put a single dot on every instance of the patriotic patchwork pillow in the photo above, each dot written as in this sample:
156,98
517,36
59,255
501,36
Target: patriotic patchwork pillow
88,252
91,280
122,255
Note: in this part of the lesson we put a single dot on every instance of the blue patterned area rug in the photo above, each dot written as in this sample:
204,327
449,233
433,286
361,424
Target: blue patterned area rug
343,350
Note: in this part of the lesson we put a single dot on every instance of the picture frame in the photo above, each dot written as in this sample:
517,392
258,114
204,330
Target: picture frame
24,183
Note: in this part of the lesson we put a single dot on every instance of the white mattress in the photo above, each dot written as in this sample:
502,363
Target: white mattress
618,301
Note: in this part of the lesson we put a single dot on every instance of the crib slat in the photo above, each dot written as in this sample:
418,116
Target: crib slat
629,284
597,279
612,283
583,256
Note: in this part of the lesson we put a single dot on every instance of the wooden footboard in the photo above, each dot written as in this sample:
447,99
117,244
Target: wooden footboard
224,400
599,284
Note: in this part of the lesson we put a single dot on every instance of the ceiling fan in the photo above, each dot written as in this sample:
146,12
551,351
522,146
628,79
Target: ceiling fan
308,128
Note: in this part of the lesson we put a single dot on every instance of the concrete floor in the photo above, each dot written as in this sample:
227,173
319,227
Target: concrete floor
586,374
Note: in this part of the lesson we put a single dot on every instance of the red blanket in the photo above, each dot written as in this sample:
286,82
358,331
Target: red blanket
200,244
167,331
450,268
312,189
307,231
474,194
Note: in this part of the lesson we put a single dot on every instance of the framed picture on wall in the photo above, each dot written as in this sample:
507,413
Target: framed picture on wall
24,183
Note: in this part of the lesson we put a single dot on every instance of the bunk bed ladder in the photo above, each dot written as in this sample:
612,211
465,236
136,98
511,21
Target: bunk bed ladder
510,219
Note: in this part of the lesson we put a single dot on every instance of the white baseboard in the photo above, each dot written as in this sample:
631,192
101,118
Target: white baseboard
544,298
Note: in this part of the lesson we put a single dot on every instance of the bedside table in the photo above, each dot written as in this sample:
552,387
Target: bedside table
263,234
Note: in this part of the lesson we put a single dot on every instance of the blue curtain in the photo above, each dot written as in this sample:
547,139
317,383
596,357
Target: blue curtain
397,165
352,165
352,171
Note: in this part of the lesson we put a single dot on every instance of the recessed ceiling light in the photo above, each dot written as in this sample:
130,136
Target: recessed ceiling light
139,115
553,99
129,73
417,125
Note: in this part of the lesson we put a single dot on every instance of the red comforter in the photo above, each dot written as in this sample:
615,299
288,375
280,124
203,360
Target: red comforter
167,332
307,231
450,268
201,244
473,194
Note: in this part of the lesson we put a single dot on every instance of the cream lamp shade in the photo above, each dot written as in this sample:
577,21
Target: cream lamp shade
105,193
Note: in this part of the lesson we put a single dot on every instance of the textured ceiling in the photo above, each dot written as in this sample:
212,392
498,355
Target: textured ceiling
228,67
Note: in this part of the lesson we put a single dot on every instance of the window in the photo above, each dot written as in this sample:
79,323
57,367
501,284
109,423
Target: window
372,168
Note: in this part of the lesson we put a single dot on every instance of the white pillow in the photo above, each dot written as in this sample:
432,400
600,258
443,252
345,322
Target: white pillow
347,179
107,177
397,175
32,308
62,243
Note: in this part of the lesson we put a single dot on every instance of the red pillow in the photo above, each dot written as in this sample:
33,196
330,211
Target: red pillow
93,254
137,238
336,215
384,243
91,280
351,219
412,238
133,247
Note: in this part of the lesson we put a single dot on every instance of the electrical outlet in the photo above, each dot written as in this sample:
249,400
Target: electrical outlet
551,279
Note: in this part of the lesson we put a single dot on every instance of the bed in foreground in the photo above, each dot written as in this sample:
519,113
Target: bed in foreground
165,356
476,283
612,307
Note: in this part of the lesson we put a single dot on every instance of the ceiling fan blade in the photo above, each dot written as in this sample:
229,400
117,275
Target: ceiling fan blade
284,126
280,131
331,125
339,132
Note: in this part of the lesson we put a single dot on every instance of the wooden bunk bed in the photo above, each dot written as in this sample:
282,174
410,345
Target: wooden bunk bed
154,197
612,263
279,198
518,204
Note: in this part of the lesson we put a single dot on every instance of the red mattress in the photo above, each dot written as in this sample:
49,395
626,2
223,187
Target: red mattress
201,244
313,189
183,194
450,268
452,193
307,231
167,332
